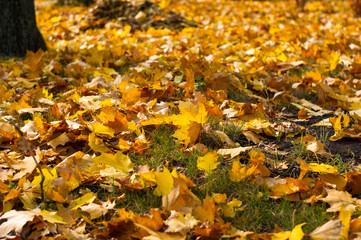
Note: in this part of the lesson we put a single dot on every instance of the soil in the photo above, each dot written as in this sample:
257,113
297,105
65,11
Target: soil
345,149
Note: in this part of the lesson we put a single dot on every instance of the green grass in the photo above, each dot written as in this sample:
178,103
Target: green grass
260,212
231,129
140,201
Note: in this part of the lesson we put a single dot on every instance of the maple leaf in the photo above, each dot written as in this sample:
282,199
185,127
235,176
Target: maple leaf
339,199
96,143
164,182
179,223
85,199
100,129
60,140
238,173
207,211
229,209
233,152
224,138
15,220
336,123
188,134
25,166
51,217
33,60
119,161
97,210
345,217
9,199
317,147
321,168
49,177
180,198
328,231
295,234
209,162
153,221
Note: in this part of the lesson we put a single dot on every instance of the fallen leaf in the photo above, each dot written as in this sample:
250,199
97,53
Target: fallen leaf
164,182
233,152
328,231
85,199
209,162
338,199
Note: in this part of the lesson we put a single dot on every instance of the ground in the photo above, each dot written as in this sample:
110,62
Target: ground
174,120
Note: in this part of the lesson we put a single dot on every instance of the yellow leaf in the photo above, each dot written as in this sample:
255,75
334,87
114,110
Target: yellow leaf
316,76
256,156
164,182
323,168
100,129
188,134
177,222
281,235
119,161
86,199
297,233
96,210
228,209
334,58
220,198
336,123
20,104
320,168
49,177
164,4
46,94
345,217
5,93
190,112
51,217
282,57
127,28
225,139
209,162
251,136
96,143
207,211
238,173
346,120
317,147
15,220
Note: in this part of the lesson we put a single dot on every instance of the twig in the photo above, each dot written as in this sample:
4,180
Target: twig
28,148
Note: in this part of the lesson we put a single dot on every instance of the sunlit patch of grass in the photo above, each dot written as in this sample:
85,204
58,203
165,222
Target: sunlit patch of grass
261,213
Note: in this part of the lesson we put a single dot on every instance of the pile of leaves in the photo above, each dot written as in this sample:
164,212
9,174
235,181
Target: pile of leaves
139,15
82,114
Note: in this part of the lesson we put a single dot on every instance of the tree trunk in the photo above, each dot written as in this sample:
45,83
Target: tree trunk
18,29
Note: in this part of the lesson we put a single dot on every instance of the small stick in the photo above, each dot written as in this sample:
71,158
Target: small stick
32,154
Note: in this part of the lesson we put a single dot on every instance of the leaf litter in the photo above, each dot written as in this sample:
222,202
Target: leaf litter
239,82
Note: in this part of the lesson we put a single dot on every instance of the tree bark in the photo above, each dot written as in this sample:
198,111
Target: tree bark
18,29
